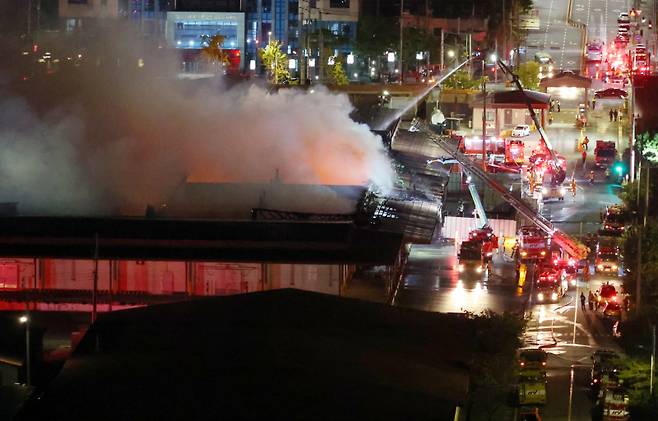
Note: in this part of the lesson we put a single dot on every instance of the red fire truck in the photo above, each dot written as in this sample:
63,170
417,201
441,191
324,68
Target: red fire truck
532,243
514,153
473,145
605,153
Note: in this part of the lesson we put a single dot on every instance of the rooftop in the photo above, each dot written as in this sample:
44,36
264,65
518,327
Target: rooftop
293,355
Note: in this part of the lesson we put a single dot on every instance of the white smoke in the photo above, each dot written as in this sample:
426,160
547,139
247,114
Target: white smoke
127,138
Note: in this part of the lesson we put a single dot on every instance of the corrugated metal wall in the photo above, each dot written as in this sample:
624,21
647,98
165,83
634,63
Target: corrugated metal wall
458,228
169,277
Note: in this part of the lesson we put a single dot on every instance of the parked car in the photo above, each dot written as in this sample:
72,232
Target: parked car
624,18
594,52
521,130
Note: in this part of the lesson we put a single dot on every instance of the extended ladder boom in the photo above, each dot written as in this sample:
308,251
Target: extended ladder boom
568,244
484,221
558,173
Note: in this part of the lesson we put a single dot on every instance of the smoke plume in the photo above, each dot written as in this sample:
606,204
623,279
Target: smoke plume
110,136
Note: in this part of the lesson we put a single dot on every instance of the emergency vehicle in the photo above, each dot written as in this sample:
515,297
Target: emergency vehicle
500,152
607,294
613,220
605,153
607,255
532,243
533,359
532,388
514,153
471,257
641,65
477,251
614,402
549,287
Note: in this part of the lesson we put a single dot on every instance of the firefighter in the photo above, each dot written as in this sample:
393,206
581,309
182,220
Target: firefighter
591,300
572,186
585,142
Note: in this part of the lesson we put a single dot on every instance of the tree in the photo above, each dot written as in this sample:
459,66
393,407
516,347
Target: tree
326,42
497,338
337,74
461,79
275,61
213,51
647,145
375,36
529,75
417,40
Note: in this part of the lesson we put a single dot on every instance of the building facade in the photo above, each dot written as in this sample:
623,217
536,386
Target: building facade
190,31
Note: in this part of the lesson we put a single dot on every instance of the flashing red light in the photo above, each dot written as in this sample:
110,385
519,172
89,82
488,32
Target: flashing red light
35,48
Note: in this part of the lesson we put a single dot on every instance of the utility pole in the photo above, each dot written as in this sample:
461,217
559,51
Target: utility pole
504,21
302,45
653,358
638,270
646,196
631,141
322,64
94,292
484,120
442,49
29,18
401,38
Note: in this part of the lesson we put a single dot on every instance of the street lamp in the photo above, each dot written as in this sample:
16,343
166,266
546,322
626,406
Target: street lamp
493,58
24,319
451,54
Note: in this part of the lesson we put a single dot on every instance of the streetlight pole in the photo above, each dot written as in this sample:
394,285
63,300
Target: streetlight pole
653,358
484,119
631,174
401,37
25,319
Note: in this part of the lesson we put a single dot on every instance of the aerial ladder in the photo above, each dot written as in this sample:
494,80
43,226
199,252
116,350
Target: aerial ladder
568,244
472,189
559,174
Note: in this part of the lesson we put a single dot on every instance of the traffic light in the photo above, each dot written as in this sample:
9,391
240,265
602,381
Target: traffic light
619,169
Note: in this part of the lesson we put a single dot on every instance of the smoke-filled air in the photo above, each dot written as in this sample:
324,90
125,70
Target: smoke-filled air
111,139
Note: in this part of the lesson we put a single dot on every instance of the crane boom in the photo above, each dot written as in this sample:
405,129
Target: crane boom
570,245
558,173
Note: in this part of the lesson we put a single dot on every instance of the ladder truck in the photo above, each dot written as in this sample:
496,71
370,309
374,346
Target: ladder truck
569,245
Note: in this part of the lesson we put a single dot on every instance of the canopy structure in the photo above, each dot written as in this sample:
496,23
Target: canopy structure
568,88
566,79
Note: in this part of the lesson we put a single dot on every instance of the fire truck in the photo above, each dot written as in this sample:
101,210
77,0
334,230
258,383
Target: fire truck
641,65
532,243
514,153
501,153
605,153
569,245
549,288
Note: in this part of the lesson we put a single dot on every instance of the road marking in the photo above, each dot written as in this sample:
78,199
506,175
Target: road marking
548,22
564,45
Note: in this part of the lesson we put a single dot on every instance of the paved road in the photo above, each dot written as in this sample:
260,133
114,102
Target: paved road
555,36
433,283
